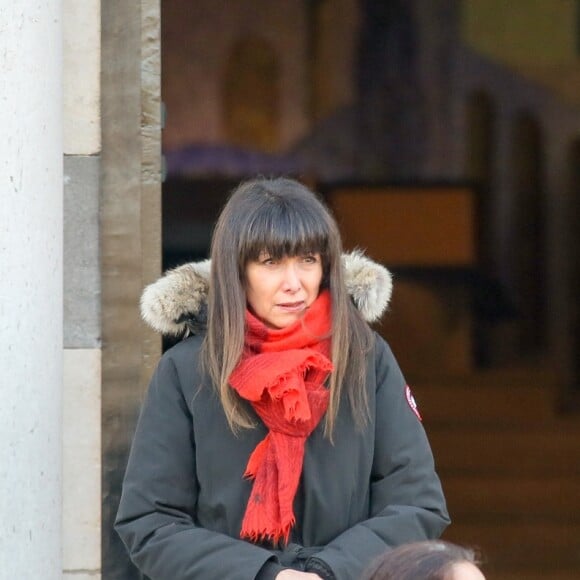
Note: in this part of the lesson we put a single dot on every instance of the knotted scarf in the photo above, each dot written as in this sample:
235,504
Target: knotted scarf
282,374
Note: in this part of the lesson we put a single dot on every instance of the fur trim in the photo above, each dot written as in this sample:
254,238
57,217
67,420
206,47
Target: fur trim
176,303
180,295
369,284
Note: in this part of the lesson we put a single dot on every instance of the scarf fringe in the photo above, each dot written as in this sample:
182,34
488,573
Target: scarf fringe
257,532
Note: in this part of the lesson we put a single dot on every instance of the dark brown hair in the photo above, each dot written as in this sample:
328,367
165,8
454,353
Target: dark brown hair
283,218
430,560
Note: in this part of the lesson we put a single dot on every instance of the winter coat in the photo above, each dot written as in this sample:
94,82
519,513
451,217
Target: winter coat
184,494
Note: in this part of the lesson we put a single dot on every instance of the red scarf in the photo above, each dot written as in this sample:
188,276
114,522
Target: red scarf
282,374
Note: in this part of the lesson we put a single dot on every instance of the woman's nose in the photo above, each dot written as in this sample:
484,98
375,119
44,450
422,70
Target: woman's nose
291,281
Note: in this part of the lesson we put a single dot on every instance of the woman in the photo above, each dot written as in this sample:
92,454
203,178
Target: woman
432,560
281,442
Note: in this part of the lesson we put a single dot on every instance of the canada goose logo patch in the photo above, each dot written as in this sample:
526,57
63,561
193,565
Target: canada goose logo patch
412,403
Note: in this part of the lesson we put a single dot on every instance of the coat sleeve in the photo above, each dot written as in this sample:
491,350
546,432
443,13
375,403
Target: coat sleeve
156,517
406,499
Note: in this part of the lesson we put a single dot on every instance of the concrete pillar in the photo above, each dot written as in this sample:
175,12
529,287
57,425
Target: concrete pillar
31,294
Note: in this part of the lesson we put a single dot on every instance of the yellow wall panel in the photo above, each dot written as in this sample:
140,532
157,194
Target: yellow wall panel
408,227
522,32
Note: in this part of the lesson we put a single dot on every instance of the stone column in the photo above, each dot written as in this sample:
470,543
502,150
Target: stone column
31,292
130,244
81,521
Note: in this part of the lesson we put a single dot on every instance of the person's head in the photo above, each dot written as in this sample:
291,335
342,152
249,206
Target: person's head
429,560
272,220
266,223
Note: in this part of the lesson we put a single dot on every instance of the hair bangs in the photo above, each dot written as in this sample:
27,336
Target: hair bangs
283,230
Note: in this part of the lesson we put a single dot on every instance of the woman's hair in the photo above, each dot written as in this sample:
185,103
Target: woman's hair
430,560
283,218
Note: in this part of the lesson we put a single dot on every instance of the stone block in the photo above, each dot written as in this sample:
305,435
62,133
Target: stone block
81,524
82,279
81,76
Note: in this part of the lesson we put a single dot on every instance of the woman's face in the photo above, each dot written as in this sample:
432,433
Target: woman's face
280,291
465,571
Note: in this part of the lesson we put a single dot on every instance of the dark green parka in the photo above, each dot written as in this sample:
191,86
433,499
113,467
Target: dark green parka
184,494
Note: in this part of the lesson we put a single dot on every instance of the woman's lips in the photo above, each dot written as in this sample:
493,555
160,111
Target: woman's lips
292,306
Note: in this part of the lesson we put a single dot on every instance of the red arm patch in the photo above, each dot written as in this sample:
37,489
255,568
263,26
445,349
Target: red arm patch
412,403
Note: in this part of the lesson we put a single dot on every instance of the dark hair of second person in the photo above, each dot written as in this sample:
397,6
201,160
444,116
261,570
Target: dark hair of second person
430,560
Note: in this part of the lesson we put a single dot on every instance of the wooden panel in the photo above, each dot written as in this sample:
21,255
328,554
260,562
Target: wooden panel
495,405
429,328
542,497
493,452
521,544
408,226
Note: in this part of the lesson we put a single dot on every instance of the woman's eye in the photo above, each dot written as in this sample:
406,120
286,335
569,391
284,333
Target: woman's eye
310,259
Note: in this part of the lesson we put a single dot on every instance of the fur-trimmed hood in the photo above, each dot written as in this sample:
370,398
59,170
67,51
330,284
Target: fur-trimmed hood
176,304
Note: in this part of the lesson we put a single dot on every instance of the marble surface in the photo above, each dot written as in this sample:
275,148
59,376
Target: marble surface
81,76
81,521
